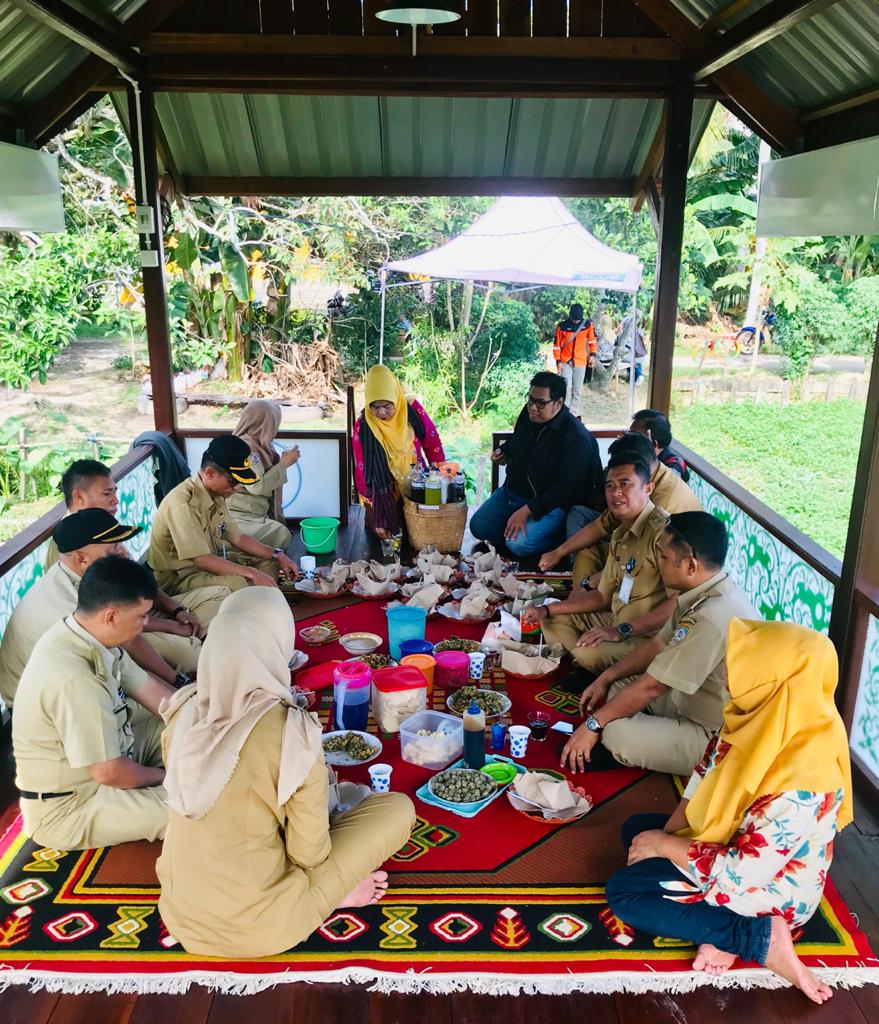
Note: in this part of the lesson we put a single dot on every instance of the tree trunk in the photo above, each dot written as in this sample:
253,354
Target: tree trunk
752,315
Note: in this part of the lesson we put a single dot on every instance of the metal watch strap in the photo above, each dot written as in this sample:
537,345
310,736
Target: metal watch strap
592,724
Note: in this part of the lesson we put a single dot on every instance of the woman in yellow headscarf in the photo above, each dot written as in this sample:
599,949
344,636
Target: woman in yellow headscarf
746,854
388,436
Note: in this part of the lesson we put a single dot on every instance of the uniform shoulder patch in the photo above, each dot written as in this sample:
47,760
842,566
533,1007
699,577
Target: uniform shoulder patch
254,459
679,635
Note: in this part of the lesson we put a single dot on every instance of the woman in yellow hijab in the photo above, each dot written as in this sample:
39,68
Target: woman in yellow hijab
745,856
388,436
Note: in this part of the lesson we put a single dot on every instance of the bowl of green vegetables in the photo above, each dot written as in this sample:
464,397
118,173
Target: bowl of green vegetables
466,788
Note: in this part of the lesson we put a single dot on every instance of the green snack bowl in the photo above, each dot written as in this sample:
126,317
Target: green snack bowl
500,772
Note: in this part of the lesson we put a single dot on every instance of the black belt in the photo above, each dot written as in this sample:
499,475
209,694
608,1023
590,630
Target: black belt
27,795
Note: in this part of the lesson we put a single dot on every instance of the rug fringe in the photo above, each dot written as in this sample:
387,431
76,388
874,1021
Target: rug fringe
417,982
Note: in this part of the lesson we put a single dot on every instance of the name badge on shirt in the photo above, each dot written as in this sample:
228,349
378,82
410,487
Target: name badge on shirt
624,594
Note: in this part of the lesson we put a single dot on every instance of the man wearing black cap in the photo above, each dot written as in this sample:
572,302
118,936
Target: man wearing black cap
195,542
81,539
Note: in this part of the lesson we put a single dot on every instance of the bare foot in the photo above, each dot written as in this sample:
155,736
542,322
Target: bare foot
370,890
783,960
712,960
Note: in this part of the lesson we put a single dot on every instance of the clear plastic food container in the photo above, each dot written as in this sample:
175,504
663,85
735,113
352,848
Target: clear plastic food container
443,745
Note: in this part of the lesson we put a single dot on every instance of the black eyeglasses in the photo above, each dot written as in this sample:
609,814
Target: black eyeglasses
539,403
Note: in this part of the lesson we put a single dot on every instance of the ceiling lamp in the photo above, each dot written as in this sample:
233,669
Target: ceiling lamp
404,12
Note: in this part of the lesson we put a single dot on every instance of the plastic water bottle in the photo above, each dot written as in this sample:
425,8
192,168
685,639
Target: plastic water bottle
460,490
433,488
474,736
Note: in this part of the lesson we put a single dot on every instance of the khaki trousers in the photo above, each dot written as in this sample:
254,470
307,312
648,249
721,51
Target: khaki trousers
181,652
185,585
362,840
590,561
103,815
657,738
269,531
567,630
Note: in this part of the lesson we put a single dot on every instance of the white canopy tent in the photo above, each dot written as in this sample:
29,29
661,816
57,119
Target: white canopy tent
525,241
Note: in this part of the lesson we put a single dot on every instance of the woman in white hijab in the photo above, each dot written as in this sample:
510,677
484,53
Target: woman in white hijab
256,508
251,864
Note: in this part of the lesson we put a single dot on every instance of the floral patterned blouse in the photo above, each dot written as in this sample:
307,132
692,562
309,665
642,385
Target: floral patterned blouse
429,451
776,863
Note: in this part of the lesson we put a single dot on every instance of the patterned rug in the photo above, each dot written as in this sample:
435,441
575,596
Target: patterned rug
496,903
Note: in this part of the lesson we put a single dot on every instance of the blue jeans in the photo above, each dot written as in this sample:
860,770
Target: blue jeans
636,894
578,517
541,535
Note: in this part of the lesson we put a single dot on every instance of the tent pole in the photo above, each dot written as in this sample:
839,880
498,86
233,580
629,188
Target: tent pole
383,277
634,307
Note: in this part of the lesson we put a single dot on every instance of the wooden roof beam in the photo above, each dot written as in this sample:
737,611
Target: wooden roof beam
759,28
772,120
198,185
72,23
53,112
651,164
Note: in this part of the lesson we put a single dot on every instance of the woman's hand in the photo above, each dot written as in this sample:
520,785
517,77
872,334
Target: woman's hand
646,845
290,456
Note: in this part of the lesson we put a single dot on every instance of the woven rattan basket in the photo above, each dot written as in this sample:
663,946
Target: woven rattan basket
442,526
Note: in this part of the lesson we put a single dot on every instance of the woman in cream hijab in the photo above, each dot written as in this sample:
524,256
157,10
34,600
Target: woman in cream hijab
390,434
256,508
251,864
744,857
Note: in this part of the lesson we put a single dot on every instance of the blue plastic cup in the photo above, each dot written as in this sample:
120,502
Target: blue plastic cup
404,623
408,647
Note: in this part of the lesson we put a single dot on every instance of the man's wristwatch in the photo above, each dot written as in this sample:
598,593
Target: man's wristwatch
181,679
625,630
276,553
180,608
592,724
586,583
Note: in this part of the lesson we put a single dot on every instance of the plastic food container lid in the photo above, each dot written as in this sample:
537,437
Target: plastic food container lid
452,659
406,677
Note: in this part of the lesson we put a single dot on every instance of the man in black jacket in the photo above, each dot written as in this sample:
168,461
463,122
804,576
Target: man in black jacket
552,464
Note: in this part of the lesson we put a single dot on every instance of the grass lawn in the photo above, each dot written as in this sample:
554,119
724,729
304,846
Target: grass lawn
800,460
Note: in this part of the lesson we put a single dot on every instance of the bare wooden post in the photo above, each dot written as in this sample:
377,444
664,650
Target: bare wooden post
22,458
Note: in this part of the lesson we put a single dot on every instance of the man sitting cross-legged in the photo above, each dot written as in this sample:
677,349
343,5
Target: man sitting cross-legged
630,591
667,695
589,544
195,541
87,483
81,539
88,774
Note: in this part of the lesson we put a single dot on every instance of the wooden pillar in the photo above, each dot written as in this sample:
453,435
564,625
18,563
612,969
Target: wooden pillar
860,564
675,161
142,118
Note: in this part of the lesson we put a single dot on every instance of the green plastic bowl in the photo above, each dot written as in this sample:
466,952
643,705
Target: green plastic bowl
500,772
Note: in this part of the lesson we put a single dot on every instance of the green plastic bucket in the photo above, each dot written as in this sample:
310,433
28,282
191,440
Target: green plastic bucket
319,534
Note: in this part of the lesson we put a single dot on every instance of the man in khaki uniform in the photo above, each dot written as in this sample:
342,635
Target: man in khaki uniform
87,483
84,537
631,585
590,544
195,541
89,774
667,695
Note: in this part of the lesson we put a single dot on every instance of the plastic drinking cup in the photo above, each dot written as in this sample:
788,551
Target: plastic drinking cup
408,647
405,623
477,665
308,565
425,665
519,740
498,735
539,722
380,777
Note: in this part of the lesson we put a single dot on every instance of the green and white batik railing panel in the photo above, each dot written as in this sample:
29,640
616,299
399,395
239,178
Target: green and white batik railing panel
137,506
865,724
780,584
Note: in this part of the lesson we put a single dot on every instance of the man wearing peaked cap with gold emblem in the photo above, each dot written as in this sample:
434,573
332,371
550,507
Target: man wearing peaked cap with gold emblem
168,650
195,541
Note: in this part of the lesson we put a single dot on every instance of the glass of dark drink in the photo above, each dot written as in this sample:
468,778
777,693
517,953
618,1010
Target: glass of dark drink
539,723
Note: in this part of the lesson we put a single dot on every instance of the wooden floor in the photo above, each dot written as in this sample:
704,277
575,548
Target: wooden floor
855,871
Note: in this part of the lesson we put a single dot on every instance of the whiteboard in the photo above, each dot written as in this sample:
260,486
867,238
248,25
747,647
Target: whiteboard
30,193
313,485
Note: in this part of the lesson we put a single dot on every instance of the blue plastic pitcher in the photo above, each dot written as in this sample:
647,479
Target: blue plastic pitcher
404,623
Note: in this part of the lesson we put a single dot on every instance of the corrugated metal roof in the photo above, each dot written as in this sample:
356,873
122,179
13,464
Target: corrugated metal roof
33,58
355,136
825,58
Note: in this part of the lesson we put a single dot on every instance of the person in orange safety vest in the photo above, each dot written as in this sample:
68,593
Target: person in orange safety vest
575,344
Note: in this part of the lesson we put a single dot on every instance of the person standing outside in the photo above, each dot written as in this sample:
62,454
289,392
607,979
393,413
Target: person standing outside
575,345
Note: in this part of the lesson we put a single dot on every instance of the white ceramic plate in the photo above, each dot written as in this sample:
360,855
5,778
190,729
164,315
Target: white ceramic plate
343,760
507,704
